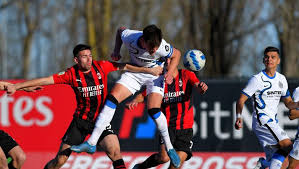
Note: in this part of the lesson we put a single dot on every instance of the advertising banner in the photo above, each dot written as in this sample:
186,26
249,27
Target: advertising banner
38,121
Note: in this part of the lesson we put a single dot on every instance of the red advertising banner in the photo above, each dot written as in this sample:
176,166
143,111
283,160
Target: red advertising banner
37,121
101,161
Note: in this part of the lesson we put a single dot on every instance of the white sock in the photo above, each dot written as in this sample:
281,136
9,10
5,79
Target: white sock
103,121
161,124
275,164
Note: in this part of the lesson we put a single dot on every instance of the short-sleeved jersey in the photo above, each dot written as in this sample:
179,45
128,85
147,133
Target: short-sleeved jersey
266,92
90,88
140,56
176,102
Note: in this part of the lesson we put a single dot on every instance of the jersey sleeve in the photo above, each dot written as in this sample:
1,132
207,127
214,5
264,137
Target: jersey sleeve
251,87
128,35
191,77
63,77
285,91
296,95
108,66
166,49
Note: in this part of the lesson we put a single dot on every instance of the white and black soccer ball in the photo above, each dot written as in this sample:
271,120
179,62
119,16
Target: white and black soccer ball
194,60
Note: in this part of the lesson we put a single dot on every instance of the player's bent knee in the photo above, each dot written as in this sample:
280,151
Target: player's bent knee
154,112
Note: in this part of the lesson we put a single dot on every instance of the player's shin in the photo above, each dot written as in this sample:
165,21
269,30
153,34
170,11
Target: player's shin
103,119
161,124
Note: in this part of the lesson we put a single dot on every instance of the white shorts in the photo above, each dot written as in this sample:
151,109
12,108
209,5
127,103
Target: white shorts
134,81
295,151
269,134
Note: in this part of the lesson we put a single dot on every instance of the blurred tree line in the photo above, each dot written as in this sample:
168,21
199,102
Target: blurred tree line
37,36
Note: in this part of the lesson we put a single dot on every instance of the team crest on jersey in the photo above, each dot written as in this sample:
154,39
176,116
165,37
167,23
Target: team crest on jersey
180,83
280,84
61,73
99,75
167,48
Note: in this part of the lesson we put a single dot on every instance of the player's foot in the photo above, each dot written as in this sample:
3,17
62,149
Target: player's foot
259,164
84,147
174,158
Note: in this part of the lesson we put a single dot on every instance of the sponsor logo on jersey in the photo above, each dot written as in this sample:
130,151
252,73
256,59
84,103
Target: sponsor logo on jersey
166,48
99,75
91,90
173,97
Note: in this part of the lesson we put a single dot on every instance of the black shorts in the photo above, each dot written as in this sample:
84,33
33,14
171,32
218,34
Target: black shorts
6,142
181,140
79,129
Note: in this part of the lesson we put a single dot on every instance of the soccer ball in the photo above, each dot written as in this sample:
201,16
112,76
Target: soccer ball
194,60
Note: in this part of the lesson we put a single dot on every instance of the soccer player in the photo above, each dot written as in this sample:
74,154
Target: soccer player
266,89
294,114
179,112
88,79
147,49
10,148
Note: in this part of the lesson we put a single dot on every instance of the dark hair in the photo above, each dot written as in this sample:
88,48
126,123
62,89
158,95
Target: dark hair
79,48
271,49
152,35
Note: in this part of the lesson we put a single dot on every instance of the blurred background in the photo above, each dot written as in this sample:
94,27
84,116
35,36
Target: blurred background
37,38
38,35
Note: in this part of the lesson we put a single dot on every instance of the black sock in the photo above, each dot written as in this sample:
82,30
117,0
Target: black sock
152,161
119,164
10,166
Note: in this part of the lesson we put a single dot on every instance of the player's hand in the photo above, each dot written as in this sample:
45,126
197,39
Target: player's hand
131,105
168,78
203,87
156,71
239,123
33,89
115,56
10,89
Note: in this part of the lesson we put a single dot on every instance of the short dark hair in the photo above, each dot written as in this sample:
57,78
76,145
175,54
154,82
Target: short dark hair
152,35
271,49
79,48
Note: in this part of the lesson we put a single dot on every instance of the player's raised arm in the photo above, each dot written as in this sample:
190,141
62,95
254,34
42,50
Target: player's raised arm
175,59
11,89
118,43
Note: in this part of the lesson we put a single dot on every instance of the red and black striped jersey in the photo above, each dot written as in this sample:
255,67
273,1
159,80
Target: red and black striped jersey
90,88
176,102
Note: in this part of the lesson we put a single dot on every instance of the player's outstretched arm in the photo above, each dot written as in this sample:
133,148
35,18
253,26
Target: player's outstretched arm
4,85
239,108
175,60
289,103
11,89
